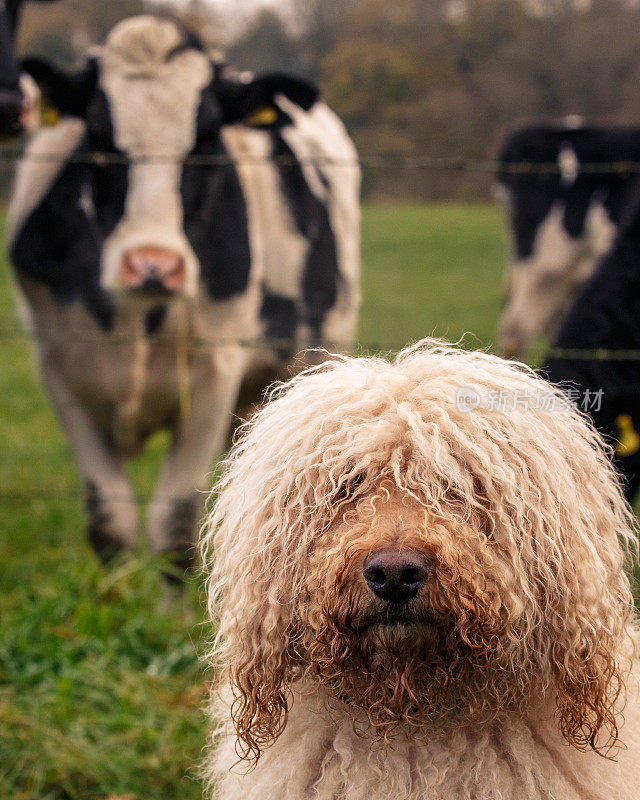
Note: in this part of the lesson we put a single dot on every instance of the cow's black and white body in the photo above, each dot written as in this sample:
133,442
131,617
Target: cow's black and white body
596,351
562,219
146,274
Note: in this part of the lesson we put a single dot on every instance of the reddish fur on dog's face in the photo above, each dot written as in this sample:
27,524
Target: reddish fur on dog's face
466,650
436,660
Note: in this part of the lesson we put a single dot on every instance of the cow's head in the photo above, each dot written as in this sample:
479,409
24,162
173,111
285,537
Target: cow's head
152,99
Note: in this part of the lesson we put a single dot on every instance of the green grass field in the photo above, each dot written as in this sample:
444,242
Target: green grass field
100,686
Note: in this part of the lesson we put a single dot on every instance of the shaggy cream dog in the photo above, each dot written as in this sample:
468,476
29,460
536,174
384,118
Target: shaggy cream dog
419,601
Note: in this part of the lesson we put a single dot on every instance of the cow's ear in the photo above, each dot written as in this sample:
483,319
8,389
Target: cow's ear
68,92
242,101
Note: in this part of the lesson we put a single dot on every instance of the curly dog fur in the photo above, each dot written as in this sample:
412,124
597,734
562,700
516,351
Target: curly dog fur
505,677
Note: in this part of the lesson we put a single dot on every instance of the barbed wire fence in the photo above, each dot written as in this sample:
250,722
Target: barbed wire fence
9,155
491,167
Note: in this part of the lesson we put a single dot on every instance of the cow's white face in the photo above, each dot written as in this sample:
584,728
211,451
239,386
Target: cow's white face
153,102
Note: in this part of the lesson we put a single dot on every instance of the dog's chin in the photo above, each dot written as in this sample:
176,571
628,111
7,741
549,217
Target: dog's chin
403,636
389,663
393,628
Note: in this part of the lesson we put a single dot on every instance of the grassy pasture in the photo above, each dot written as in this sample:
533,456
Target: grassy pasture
100,686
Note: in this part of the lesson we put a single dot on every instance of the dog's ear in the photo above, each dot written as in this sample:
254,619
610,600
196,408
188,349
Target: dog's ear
250,592
579,602
586,616
259,674
590,692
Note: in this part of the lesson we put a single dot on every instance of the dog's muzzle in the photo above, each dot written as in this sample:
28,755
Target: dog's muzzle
396,576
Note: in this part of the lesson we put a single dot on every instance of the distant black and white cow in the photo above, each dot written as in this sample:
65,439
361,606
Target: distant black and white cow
591,353
146,271
562,220
17,100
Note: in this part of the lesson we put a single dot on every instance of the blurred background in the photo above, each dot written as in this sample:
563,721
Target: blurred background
447,78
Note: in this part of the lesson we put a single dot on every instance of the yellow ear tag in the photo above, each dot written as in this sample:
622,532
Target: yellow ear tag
628,439
48,115
266,115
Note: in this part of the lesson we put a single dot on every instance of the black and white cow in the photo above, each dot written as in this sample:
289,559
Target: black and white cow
145,272
591,353
17,100
562,220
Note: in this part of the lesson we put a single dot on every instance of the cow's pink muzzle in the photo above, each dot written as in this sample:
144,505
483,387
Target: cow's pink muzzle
153,270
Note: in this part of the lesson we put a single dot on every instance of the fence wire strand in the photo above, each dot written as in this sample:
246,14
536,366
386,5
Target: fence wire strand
383,161
283,343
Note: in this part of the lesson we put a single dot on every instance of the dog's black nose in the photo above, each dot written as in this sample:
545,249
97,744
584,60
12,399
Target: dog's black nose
396,576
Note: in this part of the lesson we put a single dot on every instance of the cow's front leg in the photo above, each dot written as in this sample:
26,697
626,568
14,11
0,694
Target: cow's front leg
176,509
109,498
